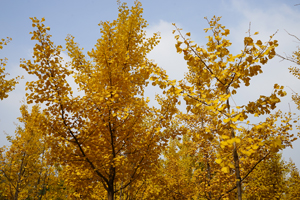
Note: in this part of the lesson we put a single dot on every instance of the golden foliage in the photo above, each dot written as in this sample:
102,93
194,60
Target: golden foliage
5,85
25,168
109,137
108,143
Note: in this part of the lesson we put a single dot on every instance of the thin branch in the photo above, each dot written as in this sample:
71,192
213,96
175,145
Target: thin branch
254,167
242,179
287,58
292,34
199,56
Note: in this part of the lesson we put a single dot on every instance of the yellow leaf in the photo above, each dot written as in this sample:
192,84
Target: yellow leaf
207,29
225,137
233,126
231,165
226,120
259,43
218,160
236,118
237,140
276,86
256,33
224,143
277,142
225,170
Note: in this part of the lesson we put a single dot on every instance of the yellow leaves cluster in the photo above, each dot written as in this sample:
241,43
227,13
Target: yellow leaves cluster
4,42
48,67
296,72
26,169
6,85
269,180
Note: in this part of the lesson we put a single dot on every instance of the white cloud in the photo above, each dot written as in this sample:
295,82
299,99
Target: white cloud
164,54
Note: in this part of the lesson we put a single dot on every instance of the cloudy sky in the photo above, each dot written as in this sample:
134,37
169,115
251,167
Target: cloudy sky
81,18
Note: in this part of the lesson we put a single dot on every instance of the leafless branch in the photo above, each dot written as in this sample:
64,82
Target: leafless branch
292,34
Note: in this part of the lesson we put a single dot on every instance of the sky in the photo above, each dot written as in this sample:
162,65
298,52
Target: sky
81,19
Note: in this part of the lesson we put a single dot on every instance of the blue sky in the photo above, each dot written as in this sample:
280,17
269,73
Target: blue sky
81,18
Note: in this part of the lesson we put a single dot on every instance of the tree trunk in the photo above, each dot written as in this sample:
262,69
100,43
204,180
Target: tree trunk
236,159
237,172
209,179
110,194
110,191
237,168
16,193
121,194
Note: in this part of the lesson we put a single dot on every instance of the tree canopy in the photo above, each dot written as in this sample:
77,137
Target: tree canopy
108,143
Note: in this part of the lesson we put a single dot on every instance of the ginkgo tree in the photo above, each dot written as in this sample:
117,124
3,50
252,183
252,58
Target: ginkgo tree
293,182
213,79
5,85
25,171
268,180
207,180
177,169
108,136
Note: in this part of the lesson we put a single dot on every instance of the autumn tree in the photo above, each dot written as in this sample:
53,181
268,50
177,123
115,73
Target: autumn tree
208,179
5,85
24,167
172,177
273,178
293,182
176,171
268,180
212,81
108,136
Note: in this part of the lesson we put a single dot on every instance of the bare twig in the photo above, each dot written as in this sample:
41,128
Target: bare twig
292,34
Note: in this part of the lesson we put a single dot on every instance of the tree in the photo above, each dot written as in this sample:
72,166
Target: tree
5,85
213,78
109,135
293,182
177,171
24,166
209,180
268,180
